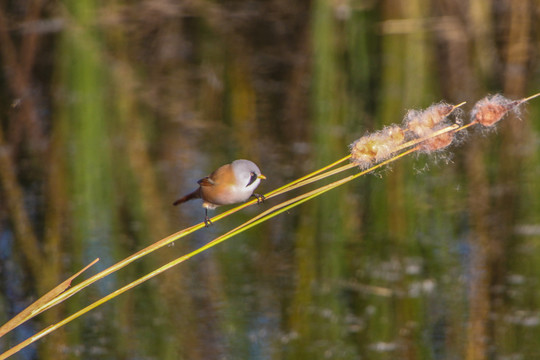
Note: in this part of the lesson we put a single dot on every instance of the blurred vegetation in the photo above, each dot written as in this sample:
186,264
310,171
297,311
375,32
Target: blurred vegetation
109,110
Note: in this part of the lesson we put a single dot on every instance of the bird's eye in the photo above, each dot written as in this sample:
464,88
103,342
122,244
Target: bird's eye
252,178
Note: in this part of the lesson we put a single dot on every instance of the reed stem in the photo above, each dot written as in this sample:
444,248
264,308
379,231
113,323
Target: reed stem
276,210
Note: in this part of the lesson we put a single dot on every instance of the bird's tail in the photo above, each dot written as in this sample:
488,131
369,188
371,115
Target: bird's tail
191,196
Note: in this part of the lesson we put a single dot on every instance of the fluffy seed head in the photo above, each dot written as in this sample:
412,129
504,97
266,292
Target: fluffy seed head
422,123
492,109
438,142
395,134
377,146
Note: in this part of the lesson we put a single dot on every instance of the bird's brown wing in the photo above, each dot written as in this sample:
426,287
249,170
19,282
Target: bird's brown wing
224,175
206,181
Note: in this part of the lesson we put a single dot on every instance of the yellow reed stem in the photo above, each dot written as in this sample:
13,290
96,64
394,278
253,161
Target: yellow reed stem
163,242
248,224
316,178
113,268
463,127
292,183
529,98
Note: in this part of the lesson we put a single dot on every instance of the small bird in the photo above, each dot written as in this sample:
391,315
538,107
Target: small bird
230,184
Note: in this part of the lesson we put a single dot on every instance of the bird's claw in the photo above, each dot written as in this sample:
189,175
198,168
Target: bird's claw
260,198
207,221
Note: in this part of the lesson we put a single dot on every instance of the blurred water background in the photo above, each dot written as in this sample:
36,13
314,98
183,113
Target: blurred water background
109,110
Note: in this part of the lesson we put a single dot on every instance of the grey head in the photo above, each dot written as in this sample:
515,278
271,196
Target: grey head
247,173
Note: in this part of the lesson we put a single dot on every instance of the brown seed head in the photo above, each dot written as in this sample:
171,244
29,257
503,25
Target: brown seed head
491,109
439,142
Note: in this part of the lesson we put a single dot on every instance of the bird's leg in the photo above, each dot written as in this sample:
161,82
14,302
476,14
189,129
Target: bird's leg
260,198
207,221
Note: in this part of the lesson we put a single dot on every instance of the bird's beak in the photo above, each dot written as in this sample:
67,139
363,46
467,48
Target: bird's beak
262,177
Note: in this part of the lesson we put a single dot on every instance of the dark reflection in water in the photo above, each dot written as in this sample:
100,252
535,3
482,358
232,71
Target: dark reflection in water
110,111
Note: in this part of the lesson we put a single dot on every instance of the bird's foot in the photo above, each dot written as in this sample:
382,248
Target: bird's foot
207,221
260,198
